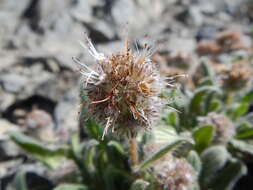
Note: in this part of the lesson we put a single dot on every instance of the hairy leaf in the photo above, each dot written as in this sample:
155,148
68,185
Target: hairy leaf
194,159
203,136
228,176
49,156
158,154
139,184
213,160
20,181
71,187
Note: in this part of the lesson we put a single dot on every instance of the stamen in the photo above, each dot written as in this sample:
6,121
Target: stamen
176,76
142,114
88,79
151,51
108,124
76,60
136,46
174,109
127,45
171,85
88,74
92,50
101,101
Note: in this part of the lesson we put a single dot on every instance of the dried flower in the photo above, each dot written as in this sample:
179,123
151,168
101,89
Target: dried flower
180,59
37,123
225,42
236,77
208,48
124,89
224,128
171,173
230,40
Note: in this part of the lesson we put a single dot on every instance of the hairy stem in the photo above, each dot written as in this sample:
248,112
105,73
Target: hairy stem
230,98
133,151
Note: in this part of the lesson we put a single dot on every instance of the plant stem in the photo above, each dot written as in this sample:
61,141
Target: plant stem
133,151
230,98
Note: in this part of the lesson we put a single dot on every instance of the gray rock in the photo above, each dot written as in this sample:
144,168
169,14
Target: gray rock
9,167
52,11
68,106
13,82
196,17
6,100
191,16
7,59
6,128
207,32
208,8
13,7
83,10
7,28
181,44
25,38
9,150
56,86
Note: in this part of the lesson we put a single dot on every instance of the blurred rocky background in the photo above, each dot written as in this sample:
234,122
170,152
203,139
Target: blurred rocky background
38,38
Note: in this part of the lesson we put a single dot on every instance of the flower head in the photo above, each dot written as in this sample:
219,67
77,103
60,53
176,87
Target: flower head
171,172
124,90
225,42
224,128
236,77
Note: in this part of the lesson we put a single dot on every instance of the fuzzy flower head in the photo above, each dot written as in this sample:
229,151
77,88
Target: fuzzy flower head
237,77
124,91
172,173
224,128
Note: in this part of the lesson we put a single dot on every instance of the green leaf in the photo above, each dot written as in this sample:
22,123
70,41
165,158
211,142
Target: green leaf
205,81
165,134
207,68
94,130
203,136
116,154
194,159
196,104
71,187
242,125
89,156
245,134
228,176
75,145
210,103
248,117
20,181
213,160
183,149
207,73
115,179
239,110
172,119
139,184
248,97
195,186
49,156
242,146
116,146
215,105
161,152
